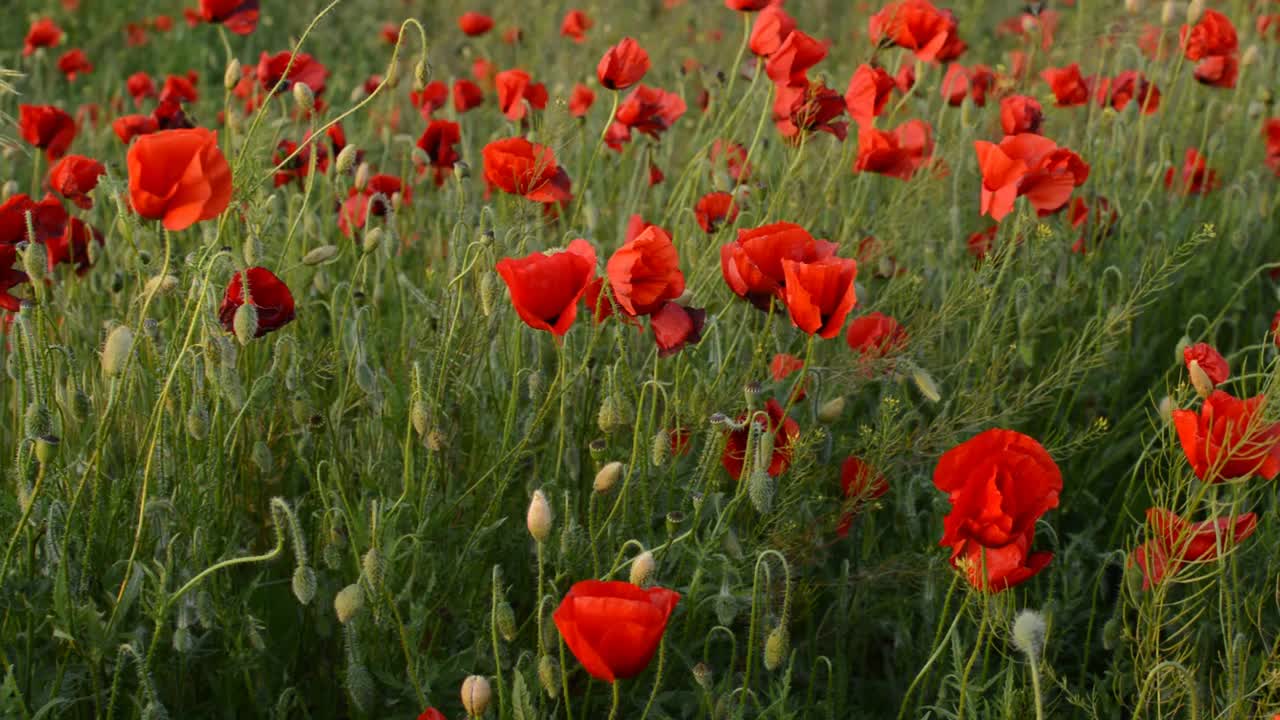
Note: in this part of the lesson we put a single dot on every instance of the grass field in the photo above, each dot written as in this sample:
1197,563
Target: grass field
659,359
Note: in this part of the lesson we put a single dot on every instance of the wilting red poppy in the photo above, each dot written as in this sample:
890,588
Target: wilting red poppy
675,326
1210,361
267,293
790,63
179,176
74,176
875,335
784,430
519,167
961,81
645,273
42,33
130,126
277,69
715,209
1030,165
1020,114
10,278
897,153
622,65
614,628
140,86
1229,439
918,26
466,95
74,63
859,483
475,24
869,91
238,16
1196,177
999,484
820,294
514,88
438,142
771,27
575,25
1069,87
581,100
1177,542
545,288
752,265
1131,86
647,110
808,109
46,127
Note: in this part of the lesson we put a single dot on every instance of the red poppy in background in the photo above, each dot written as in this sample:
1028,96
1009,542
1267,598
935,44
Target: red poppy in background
519,167
748,5
42,33
1130,86
875,335
1271,137
859,483
48,219
74,63
790,63
676,326
1212,35
808,109
46,127
785,431
999,484
1218,71
645,273
647,110
430,98
10,278
71,246
1027,165
1176,542
622,65
784,365
961,81
869,91
897,153
128,127
238,16
1020,114
1094,222
432,714
1215,366
545,288
1229,439
140,86
438,142
303,69
734,158
300,165
614,628
575,25
715,209
820,294
466,96
267,293
179,176
918,26
581,100
752,265
1069,87
771,27
475,24
74,176
514,88
1196,177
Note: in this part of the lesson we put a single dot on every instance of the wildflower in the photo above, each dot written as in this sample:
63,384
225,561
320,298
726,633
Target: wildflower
179,176
591,614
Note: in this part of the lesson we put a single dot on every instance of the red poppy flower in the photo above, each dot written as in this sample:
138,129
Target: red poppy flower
375,198
897,153
49,128
432,714
1176,542
869,91
238,16
675,326
42,33
1025,25
752,265
267,293
647,110
1069,87
974,82
466,96
135,34
1271,137
905,79
783,366
1093,223
140,86
130,126
622,65
430,98
519,167
807,109
514,88
1212,35
300,165
48,219
748,5
72,245
918,26
645,273
1218,70
999,484
715,209
1269,25
1030,165
74,63
1196,177
613,628
1020,114
820,294
734,158
545,289
179,176
771,27
74,176
1210,361
575,25
475,24
1229,439
277,69
581,100
10,278
790,63
859,483
1130,86
785,431
875,335
438,142
179,88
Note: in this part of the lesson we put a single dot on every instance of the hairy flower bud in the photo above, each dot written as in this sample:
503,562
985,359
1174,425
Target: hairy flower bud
35,261
475,695
1200,379
319,255
245,323
231,77
831,410
116,350
549,676
505,620
607,477
346,159
348,602
1028,634
304,584
538,518
776,647
303,95
642,568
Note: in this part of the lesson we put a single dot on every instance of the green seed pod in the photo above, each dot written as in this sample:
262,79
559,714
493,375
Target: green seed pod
245,323
46,448
304,584
506,621
549,676
331,554
760,490
776,647
348,602
116,350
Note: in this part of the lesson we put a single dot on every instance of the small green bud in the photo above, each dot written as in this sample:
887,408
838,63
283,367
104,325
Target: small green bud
245,323
348,602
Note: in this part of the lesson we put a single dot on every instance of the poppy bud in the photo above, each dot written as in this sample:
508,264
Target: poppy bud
346,159
35,260
231,77
1028,634
831,410
198,421
304,584
1250,56
548,676
1166,408
436,441
488,292
116,350
419,417
46,448
245,323
371,567
393,75
642,569
752,392
362,175
760,490
538,519
615,413
461,169
10,189
703,676
1168,12
304,97
360,687
1200,379
475,695
1195,9
925,384
535,386
160,285
80,405
372,239
1112,634
252,250
505,621
660,448
776,647
322,254
421,73
348,602
607,477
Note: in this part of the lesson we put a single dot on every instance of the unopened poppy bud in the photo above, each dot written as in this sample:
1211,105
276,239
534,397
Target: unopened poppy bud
607,477
831,410
752,392
397,201
538,519
372,239
548,676
393,75
245,323
475,695
1200,379
362,176
702,675
116,350
231,77
252,249
419,416
1195,9
304,584
505,620
322,254
488,292
348,602
81,404
760,490
35,261
37,420
776,647
535,385
642,569
160,285
1112,634
46,448
461,169
1168,12
1250,56
303,95
1133,7
615,413
421,73
1028,634
346,159
10,189
660,448
198,421
371,567
925,384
